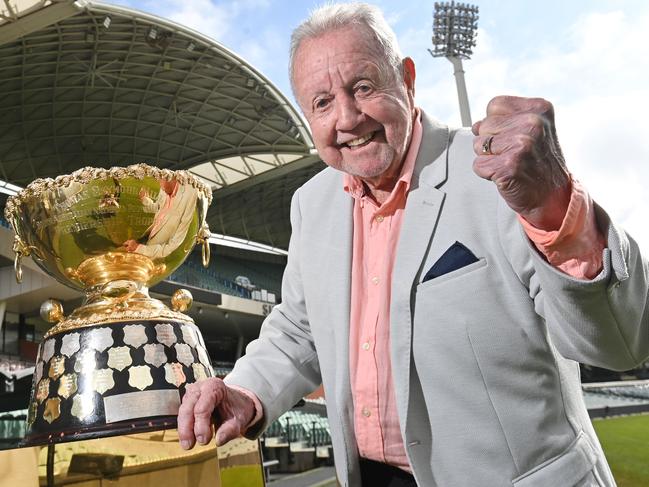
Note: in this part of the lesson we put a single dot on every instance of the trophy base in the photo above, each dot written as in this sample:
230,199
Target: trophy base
113,379
102,431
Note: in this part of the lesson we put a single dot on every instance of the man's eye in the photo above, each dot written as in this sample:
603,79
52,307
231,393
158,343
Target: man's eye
363,88
321,103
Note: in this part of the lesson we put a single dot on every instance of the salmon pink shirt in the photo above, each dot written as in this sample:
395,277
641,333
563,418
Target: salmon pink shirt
576,248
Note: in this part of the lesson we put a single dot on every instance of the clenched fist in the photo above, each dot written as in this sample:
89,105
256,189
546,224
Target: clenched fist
212,400
517,148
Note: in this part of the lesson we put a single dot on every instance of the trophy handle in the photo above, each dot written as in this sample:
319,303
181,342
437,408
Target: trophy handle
203,239
21,250
18,268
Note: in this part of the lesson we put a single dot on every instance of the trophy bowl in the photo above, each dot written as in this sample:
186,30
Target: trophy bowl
119,363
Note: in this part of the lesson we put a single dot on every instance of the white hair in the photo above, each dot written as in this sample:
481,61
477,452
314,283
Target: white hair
331,17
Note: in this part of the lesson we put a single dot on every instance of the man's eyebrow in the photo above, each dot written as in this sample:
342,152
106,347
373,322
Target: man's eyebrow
360,77
319,94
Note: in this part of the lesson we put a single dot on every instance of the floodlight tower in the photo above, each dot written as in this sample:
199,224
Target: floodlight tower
454,32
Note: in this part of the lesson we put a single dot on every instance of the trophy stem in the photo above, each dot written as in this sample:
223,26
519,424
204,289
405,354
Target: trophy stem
115,266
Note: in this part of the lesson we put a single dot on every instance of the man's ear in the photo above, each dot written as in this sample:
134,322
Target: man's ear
409,75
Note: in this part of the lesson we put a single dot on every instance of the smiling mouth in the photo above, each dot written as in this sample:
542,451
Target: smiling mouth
360,140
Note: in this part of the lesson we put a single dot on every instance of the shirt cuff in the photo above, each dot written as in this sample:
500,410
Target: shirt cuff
259,410
576,248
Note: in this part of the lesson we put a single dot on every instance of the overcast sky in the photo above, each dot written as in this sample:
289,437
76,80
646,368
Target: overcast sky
589,58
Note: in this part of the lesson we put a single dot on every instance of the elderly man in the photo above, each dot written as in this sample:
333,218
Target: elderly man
442,285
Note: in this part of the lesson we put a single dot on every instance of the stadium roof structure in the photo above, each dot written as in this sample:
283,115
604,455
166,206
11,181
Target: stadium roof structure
84,83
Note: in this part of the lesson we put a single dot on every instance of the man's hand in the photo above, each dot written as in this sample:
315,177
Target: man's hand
517,148
211,400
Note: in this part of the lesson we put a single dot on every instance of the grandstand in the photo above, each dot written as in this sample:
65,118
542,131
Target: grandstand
12,428
300,439
615,398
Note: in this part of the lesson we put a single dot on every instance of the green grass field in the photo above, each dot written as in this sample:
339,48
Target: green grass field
626,443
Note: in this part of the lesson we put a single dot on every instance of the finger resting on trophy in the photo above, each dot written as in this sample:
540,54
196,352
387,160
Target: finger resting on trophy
203,410
186,417
228,430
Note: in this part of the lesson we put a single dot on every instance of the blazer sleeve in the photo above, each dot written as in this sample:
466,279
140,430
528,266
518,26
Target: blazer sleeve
281,366
602,322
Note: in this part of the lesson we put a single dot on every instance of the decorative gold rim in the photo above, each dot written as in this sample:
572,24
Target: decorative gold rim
84,175
70,323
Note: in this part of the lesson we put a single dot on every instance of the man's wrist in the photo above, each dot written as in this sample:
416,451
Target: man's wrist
552,214
257,410
576,247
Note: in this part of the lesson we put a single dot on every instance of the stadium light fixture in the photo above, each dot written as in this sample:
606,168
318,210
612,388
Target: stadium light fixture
454,31
8,188
239,243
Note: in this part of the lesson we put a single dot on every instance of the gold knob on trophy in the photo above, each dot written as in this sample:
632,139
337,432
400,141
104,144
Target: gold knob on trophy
52,311
181,300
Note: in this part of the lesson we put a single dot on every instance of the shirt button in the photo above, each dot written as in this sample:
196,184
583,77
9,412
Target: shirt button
366,346
375,280
366,412
379,218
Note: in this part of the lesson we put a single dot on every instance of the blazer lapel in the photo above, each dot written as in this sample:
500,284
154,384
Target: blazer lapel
336,274
339,289
422,210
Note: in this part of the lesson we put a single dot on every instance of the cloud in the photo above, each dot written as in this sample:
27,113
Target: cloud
593,75
205,16
263,50
220,20
600,90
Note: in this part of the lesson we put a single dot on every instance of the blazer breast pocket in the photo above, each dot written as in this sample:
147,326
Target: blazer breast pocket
457,274
455,257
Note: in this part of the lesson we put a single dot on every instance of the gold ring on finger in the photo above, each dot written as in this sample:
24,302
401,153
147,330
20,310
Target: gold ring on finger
486,146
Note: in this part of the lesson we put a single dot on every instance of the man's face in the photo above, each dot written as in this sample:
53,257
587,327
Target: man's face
359,110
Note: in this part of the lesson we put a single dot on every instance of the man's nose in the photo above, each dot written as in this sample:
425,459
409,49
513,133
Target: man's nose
349,114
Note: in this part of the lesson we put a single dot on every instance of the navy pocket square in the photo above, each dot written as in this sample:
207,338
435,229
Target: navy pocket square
455,257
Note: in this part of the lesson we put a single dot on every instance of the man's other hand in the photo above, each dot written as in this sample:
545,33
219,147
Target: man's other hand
210,401
517,148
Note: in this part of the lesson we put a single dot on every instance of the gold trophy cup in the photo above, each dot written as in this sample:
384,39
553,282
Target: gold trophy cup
120,362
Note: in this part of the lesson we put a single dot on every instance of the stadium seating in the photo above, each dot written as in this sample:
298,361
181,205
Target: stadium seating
12,428
297,427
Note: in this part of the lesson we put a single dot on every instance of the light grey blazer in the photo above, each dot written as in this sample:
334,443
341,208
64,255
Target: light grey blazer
484,358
